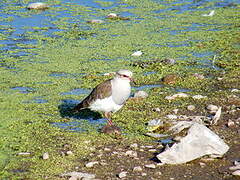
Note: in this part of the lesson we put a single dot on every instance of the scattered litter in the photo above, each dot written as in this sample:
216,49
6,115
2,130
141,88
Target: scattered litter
137,53
200,141
210,14
217,116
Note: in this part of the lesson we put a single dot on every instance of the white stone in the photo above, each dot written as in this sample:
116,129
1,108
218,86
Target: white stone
236,173
144,174
198,96
172,116
107,149
236,163
97,21
178,95
45,156
137,53
37,5
69,153
152,150
134,146
233,168
212,108
140,94
91,164
230,123
156,109
191,107
200,141
23,153
112,15
131,153
122,174
79,175
137,169
151,166
175,111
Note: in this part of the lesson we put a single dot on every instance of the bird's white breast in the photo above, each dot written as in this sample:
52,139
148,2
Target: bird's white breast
121,90
105,105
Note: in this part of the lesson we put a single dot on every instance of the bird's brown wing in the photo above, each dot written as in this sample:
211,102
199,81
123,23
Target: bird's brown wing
101,91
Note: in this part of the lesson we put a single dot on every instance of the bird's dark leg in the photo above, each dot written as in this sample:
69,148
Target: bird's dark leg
108,116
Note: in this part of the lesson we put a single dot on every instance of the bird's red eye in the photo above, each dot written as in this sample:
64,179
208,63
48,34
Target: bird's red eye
125,76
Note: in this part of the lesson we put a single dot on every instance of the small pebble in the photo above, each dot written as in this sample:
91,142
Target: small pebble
236,163
144,174
212,108
107,149
45,156
202,164
171,116
38,5
158,173
112,15
156,109
69,153
122,174
230,123
134,146
23,153
236,173
91,164
199,76
151,166
95,21
152,150
198,96
137,169
175,111
191,107
140,94
235,90
131,153
149,147
233,168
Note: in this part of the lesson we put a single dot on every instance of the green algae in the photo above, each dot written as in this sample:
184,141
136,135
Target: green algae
107,47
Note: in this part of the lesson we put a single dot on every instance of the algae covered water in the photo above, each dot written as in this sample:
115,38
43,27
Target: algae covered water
51,59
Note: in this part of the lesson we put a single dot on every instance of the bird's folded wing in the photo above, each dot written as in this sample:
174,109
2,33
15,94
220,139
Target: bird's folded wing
101,91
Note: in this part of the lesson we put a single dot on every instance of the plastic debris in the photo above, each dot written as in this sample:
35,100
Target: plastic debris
200,141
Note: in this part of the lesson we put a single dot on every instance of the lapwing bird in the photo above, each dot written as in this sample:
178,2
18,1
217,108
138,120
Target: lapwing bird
109,96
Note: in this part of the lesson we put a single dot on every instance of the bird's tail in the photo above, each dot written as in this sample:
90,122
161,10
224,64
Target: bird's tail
77,108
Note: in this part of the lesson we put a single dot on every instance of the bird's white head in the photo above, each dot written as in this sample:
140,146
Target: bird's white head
124,74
